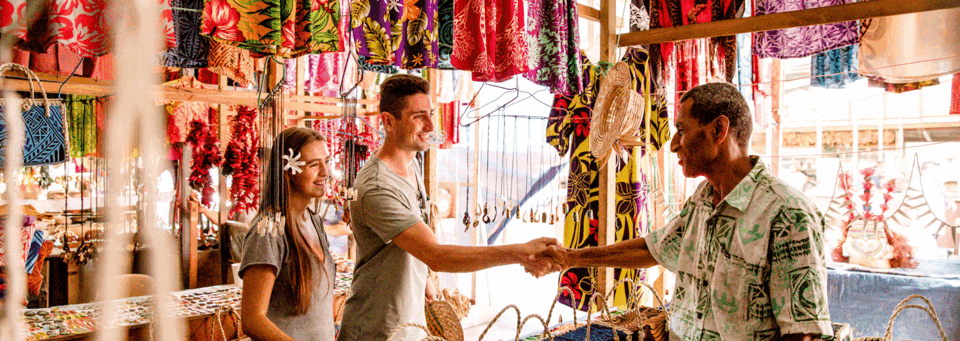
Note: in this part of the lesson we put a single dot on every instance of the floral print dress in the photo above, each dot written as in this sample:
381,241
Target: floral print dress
400,33
569,132
286,28
488,39
554,44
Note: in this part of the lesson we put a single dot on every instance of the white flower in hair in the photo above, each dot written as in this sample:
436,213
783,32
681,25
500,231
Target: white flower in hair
292,162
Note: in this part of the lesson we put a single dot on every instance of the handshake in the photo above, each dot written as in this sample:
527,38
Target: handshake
543,256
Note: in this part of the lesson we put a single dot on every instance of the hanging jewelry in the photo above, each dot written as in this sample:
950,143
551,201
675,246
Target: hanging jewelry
466,208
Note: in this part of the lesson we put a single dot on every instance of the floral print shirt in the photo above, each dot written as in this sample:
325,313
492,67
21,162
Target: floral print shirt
286,28
751,268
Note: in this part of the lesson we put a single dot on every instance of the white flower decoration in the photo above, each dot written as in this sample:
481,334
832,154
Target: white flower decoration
292,162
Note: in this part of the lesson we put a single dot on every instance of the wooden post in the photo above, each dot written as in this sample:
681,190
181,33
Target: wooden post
775,138
606,212
188,225
856,137
430,158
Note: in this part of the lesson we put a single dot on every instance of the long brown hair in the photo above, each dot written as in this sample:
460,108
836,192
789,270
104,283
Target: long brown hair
276,189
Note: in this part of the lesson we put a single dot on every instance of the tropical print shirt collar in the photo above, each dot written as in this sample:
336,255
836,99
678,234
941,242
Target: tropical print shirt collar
741,195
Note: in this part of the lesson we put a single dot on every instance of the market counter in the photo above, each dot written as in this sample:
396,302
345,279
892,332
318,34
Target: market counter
195,307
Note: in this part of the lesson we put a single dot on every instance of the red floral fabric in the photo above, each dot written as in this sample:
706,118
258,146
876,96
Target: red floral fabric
80,25
489,39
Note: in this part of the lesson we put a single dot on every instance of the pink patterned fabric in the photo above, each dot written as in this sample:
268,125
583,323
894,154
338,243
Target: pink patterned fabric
802,41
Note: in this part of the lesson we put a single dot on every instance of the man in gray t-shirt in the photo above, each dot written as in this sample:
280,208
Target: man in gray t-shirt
395,246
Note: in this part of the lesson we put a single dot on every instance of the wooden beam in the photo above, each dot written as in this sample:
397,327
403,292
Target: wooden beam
87,87
776,21
587,12
606,213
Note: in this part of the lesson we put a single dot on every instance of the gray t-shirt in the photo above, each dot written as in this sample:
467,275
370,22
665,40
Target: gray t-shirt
272,250
388,283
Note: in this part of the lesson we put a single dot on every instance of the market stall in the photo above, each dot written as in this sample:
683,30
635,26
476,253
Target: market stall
132,173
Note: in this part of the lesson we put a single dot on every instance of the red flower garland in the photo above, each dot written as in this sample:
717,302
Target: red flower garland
241,160
206,155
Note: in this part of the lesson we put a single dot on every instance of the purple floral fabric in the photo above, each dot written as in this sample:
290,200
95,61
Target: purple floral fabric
802,41
554,46
396,32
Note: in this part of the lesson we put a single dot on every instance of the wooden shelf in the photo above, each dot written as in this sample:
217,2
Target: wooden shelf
776,21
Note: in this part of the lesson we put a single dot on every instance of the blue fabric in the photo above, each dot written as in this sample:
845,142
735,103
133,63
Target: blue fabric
840,64
35,244
866,300
45,141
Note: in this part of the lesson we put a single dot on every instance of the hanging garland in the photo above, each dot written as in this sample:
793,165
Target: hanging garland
206,154
240,160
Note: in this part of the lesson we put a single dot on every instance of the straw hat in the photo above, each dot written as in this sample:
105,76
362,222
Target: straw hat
442,320
617,114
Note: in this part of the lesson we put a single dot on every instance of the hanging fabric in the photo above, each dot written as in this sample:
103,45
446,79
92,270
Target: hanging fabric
568,131
401,33
285,28
744,74
191,49
489,39
688,55
45,130
85,118
79,25
802,41
955,95
324,73
83,26
60,60
835,69
232,62
554,43
762,90
444,34
911,47
450,124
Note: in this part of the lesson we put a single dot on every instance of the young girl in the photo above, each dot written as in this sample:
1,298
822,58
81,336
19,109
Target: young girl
286,266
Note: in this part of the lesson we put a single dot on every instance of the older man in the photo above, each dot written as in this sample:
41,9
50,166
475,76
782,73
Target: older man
746,248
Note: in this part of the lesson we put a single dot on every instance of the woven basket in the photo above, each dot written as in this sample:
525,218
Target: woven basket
652,321
901,307
442,320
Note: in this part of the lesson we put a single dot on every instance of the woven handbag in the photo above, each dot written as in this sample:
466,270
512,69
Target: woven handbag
888,336
45,137
218,321
442,320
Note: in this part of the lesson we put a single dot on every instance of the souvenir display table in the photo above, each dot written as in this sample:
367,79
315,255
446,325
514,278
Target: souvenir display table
865,298
195,306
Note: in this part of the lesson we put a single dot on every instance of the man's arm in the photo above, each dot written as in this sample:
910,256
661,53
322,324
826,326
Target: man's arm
630,254
420,242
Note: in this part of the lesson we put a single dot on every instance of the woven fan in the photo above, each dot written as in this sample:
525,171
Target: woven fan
617,115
